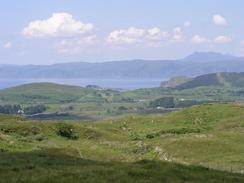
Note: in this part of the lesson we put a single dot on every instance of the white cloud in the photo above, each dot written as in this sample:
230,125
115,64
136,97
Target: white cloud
219,20
155,34
154,31
242,42
75,46
187,24
146,37
178,35
7,45
197,39
58,25
129,36
135,35
222,39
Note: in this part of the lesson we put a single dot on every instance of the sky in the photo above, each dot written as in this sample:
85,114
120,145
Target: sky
58,31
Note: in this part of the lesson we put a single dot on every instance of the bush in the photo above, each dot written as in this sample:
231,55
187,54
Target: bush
39,137
150,136
166,102
30,131
181,131
135,136
67,131
122,108
10,109
35,109
177,131
189,103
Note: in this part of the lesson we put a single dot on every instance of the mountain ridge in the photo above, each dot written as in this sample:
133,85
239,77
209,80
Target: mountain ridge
203,63
209,56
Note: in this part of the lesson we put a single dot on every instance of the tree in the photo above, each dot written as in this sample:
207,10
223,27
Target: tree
35,109
10,109
166,102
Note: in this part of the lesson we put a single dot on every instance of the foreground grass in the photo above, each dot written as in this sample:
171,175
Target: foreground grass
43,167
209,136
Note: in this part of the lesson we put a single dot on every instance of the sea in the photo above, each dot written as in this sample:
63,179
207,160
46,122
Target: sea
113,83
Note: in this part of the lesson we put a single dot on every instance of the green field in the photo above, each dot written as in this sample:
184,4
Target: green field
198,144
87,104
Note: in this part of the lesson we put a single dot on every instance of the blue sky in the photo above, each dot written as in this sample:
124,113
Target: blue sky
46,32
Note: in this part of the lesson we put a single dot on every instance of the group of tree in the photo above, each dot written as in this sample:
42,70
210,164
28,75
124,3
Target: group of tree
17,109
170,102
30,110
165,102
10,109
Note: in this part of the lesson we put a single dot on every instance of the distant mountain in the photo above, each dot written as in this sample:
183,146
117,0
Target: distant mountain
196,64
209,57
215,79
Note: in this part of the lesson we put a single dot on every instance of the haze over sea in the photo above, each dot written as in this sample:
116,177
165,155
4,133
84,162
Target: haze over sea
117,83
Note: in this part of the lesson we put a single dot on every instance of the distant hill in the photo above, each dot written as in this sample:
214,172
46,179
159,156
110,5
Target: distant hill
215,79
51,93
175,81
209,57
196,64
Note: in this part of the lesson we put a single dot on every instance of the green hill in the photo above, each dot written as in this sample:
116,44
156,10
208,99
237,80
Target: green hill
215,79
50,93
41,167
175,81
183,146
73,102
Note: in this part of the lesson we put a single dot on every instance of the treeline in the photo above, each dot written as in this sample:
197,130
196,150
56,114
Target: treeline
35,109
10,109
17,109
171,102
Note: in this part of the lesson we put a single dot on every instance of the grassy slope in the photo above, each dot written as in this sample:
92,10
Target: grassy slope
51,93
175,81
41,167
86,103
215,79
90,104
59,94
207,135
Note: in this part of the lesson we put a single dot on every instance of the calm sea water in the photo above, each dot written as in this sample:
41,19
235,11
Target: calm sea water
121,83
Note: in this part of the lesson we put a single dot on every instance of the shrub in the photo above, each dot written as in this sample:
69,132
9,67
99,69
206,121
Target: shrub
122,108
150,136
67,131
10,109
35,109
166,102
182,131
135,136
189,103
39,137
33,130
179,131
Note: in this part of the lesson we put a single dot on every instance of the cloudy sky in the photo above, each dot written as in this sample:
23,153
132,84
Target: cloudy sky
47,32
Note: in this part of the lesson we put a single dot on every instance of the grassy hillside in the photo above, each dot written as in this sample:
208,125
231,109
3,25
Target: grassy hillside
215,79
72,102
68,102
208,135
43,167
50,93
175,81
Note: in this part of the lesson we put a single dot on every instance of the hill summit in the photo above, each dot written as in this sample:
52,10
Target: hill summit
209,57
215,79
